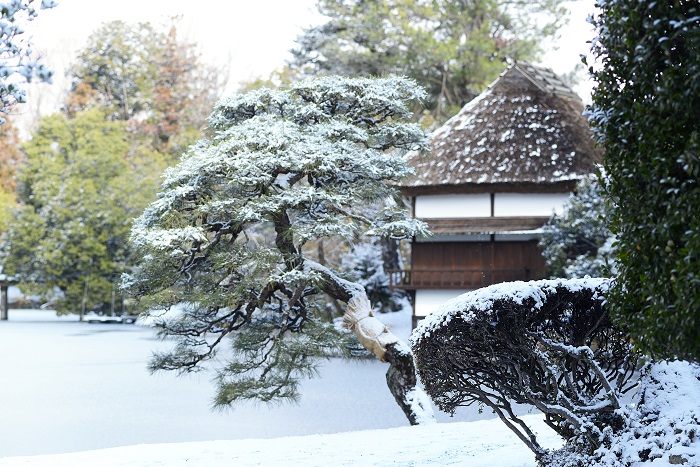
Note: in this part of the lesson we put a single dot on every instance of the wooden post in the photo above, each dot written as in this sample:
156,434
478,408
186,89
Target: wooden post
5,283
4,301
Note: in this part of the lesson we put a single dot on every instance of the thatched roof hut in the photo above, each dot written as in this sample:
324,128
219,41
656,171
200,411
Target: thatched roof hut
525,133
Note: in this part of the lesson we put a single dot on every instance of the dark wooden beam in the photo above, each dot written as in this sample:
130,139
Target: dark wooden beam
563,186
484,225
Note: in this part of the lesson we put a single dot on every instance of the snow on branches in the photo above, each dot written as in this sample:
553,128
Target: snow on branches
322,150
548,343
660,427
228,232
15,52
577,243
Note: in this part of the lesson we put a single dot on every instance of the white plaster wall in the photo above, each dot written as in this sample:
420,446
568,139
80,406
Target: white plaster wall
453,206
428,301
528,204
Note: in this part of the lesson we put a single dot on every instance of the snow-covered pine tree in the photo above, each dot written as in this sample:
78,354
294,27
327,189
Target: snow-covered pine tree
225,240
577,242
15,53
364,264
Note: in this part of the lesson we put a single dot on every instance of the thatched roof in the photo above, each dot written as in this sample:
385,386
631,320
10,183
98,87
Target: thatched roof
526,132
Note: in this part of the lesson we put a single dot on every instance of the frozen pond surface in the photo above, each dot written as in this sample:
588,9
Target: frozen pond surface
68,386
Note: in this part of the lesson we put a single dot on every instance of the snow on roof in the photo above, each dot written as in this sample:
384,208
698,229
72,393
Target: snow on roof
545,79
526,129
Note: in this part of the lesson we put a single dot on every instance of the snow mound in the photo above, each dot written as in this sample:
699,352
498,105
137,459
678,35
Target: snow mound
664,426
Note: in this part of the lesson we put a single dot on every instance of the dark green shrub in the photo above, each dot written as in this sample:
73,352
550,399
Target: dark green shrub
645,112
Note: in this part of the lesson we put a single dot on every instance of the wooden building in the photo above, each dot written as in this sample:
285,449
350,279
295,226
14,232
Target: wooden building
495,173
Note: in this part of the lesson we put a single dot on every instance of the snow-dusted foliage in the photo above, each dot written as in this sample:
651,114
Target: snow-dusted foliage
228,230
644,113
15,52
660,427
364,265
577,243
547,343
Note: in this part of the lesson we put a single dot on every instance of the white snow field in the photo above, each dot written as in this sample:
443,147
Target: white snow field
67,386
485,443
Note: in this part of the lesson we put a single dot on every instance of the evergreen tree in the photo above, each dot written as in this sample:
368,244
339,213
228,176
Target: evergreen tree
184,93
453,48
227,240
116,69
82,185
645,113
10,159
577,243
364,264
152,79
151,89
15,52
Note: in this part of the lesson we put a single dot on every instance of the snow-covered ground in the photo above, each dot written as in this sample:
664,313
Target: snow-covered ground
68,386
484,443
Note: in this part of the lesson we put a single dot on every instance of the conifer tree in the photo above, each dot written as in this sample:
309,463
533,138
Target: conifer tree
184,92
16,52
577,242
453,48
81,186
116,69
152,79
227,239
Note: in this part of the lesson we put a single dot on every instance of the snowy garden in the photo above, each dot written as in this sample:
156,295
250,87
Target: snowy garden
70,396
276,245
73,401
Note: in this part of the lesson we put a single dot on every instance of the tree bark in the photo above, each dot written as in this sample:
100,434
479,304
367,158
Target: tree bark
378,339
390,253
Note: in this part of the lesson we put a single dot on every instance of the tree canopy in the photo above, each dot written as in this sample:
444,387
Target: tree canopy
117,65
82,185
227,240
453,48
138,73
85,179
645,109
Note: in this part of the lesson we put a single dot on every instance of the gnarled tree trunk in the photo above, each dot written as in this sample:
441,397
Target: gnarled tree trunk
378,339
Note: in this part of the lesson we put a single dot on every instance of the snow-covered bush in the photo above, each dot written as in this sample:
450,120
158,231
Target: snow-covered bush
547,343
661,426
577,242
